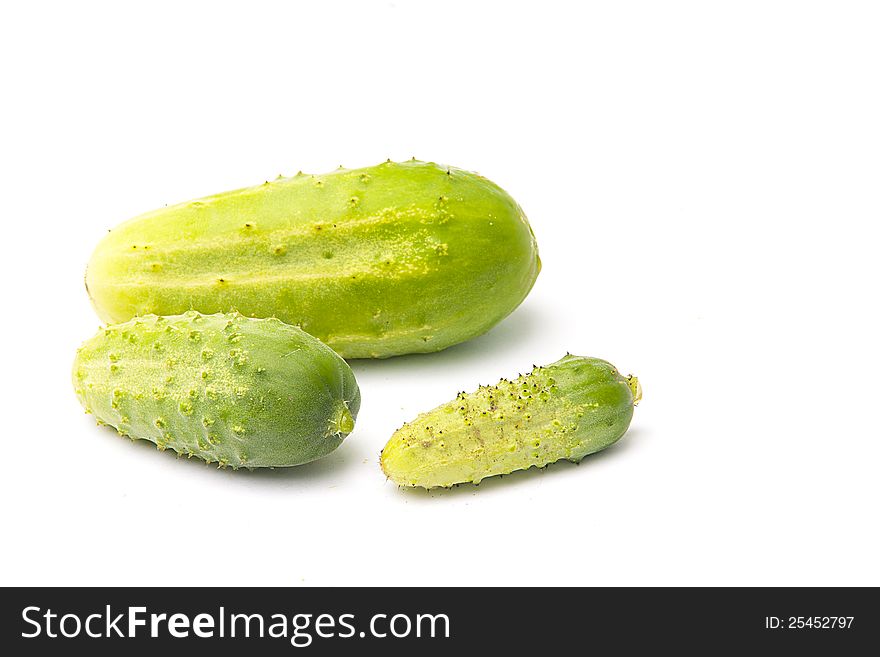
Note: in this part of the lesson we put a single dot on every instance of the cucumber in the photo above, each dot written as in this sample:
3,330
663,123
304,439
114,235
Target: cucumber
391,259
566,410
224,388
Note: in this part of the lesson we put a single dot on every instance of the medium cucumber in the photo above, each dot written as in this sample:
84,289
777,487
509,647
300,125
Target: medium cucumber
391,259
224,388
566,410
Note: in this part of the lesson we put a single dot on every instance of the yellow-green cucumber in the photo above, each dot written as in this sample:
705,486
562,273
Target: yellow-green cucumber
228,389
566,410
390,259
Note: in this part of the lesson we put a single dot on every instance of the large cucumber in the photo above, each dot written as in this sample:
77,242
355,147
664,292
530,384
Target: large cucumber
224,388
566,410
391,259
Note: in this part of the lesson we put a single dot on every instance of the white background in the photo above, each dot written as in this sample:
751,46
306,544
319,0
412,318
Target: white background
702,179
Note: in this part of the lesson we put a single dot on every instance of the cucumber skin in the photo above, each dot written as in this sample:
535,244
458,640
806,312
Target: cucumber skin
231,390
566,410
397,258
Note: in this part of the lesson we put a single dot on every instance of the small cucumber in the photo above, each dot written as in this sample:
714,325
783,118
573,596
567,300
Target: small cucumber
391,259
566,410
231,390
